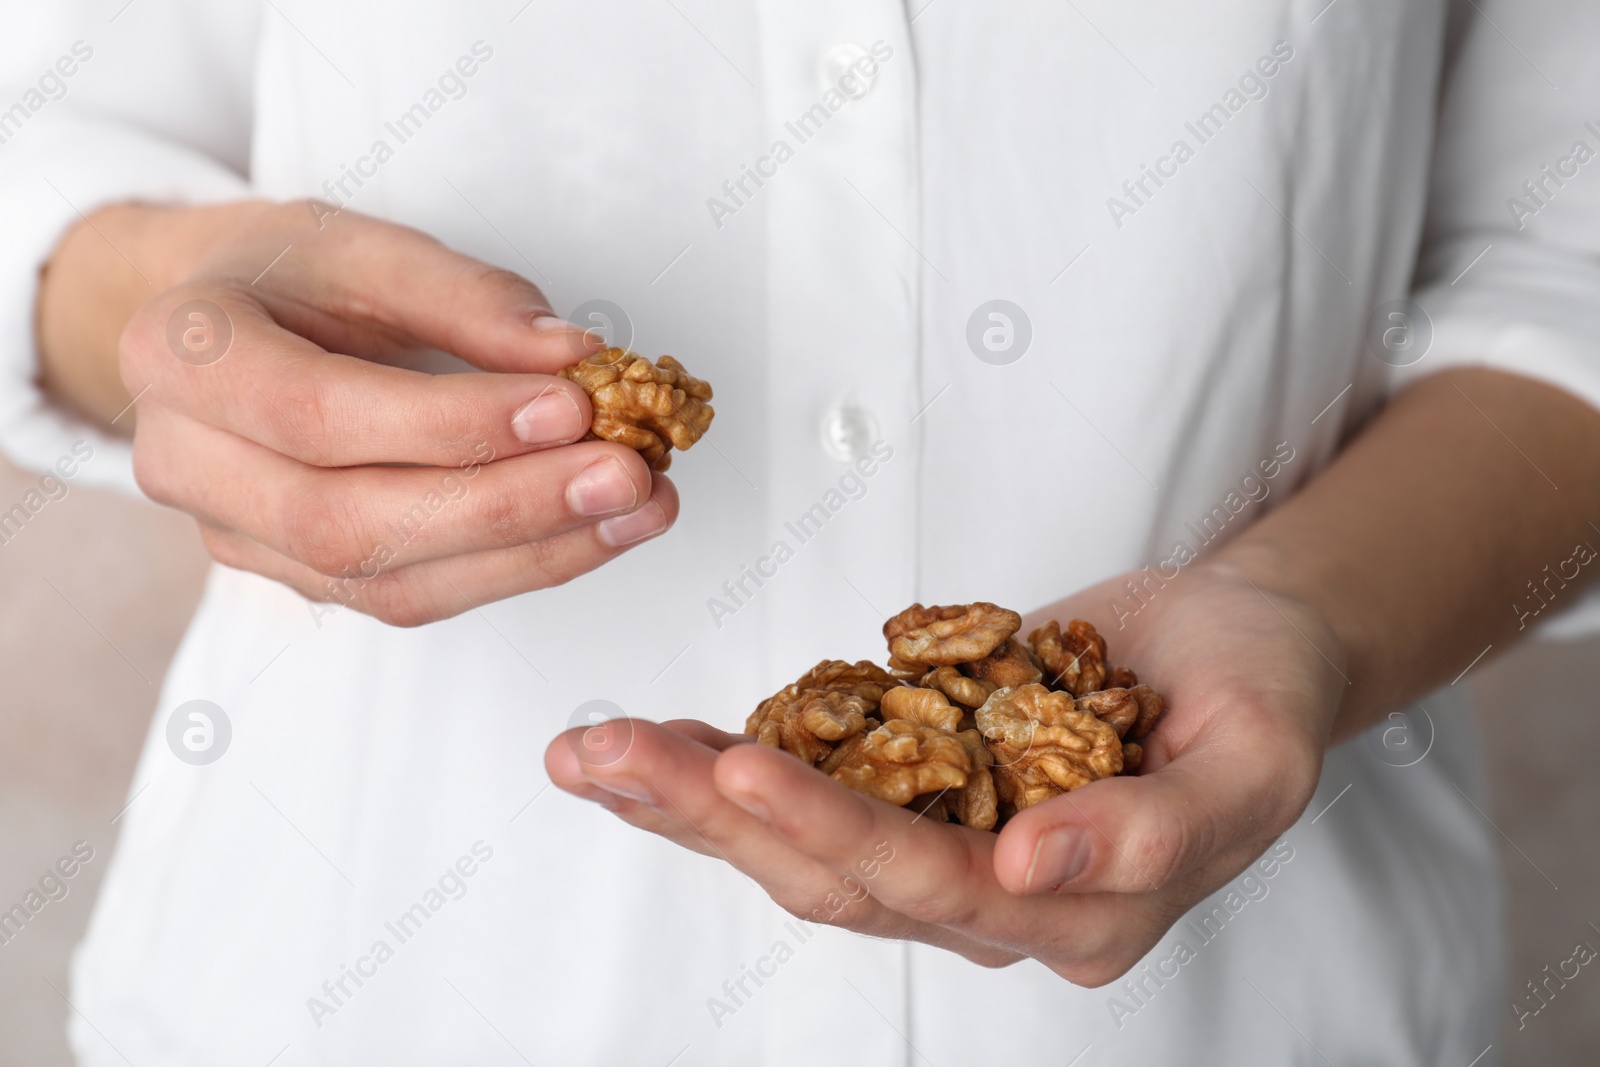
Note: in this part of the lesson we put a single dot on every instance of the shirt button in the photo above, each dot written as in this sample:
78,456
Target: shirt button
844,68
848,432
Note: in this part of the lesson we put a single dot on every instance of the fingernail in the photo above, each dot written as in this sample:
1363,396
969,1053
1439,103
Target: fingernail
602,488
551,418
581,334
753,804
625,787
635,526
1059,857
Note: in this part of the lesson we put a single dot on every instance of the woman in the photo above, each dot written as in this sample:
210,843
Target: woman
1264,339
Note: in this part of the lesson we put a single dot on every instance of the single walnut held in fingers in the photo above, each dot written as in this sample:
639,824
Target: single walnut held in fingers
901,760
1074,659
1008,666
1043,745
922,637
650,407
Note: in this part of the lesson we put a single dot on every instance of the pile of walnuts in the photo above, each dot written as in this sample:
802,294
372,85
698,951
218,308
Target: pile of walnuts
650,407
968,724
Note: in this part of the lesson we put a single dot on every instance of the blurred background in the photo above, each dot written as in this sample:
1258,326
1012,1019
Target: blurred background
97,590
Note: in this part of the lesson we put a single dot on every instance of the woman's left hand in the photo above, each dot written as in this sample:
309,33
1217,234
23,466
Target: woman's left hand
1086,883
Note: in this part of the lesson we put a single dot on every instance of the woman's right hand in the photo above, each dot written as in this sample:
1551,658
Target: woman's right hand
273,405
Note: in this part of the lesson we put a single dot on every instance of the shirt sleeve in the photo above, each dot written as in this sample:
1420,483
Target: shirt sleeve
151,104
1509,272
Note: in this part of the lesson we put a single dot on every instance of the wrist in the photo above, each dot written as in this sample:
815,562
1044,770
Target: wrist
1284,581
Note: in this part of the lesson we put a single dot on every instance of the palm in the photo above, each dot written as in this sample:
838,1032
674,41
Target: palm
1251,698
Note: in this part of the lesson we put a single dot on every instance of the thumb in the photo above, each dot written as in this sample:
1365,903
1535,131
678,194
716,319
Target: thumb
1142,834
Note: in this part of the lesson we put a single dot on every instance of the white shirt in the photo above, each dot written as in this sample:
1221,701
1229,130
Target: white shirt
1198,210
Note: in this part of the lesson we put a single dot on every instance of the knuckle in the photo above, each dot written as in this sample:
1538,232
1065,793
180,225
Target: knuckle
1156,851
508,514
1092,973
451,420
303,416
322,529
398,601
153,470
504,285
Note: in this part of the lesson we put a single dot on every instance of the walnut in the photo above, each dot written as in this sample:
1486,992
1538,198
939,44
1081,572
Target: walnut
1120,678
650,407
968,692
926,706
1132,757
1044,745
1008,666
811,724
1074,660
901,760
1151,705
975,804
864,679
1117,708
947,636
826,705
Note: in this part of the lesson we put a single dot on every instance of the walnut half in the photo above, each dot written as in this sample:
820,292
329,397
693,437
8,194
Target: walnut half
1044,745
921,637
901,760
650,407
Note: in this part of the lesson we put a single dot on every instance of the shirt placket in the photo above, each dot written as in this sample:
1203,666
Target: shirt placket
841,184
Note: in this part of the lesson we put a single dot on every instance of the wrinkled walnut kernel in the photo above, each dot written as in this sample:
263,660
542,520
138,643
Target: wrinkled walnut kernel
1006,667
1074,660
1117,708
1044,745
926,706
1120,678
650,407
827,704
976,804
901,760
968,692
1151,705
1132,757
947,636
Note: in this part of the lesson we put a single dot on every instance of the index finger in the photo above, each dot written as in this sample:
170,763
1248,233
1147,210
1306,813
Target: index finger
282,391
